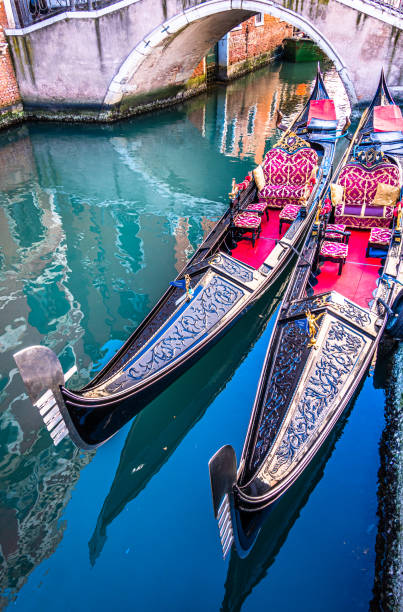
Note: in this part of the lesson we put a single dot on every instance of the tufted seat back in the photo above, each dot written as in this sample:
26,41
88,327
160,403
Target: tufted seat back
360,184
281,168
287,176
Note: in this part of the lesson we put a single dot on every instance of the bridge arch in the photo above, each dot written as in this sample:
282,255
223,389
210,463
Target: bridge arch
169,53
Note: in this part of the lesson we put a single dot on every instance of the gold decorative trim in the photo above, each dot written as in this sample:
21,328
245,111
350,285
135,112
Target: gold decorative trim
291,143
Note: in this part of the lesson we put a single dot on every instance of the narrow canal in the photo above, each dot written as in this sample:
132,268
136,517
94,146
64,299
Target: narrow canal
95,220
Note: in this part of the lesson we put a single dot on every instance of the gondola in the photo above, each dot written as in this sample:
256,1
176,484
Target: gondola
345,292
236,264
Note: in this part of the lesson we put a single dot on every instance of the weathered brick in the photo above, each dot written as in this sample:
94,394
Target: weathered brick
253,40
9,92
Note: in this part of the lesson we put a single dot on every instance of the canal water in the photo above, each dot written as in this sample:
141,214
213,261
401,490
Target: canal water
95,221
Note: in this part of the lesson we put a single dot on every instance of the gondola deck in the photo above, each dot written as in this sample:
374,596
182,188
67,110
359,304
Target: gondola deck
360,273
255,255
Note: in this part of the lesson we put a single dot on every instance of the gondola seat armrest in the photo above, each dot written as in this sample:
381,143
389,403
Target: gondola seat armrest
346,234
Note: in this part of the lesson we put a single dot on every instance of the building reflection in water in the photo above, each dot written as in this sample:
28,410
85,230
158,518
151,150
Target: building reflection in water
246,109
36,479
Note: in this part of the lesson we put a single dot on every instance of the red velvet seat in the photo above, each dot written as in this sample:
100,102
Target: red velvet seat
360,181
332,232
288,214
334,251
246,222
379,238
246,219
287,174
259,208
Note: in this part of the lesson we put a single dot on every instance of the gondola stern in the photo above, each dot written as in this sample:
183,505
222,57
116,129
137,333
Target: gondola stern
222,468
43,376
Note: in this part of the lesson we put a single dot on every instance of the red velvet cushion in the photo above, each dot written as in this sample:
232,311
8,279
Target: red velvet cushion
247,220
283,191
281,168
380,235
322,109
388,118
277,202
289,212
334,249
360,184
257,206
331,234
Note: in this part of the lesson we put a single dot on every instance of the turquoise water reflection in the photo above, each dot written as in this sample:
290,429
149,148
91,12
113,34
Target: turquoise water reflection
95,220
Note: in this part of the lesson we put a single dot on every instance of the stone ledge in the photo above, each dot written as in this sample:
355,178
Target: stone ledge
11,115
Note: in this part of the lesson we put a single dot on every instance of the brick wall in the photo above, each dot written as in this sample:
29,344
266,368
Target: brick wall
9,92
253,40
200,69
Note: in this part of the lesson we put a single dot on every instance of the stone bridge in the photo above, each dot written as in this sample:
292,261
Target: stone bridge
133,54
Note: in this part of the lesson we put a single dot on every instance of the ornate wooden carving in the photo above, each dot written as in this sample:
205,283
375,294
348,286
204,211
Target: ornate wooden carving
335,364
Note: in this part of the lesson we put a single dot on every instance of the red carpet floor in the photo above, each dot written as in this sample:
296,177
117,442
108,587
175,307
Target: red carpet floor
357,280
255,256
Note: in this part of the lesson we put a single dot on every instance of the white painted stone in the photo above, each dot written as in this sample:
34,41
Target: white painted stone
192,14
145,47
158,36
176,23
70,15
113,98
390,16
116,87
9,13
212,8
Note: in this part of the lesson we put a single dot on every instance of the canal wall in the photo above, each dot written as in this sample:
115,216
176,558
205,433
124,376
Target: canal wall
388,585
10,99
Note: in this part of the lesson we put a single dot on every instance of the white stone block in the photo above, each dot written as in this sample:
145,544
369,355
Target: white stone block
212,8
192,14
145,47
129,67
112,98
176,23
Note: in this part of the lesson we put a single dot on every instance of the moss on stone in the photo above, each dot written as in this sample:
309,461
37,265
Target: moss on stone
11,116
195,81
